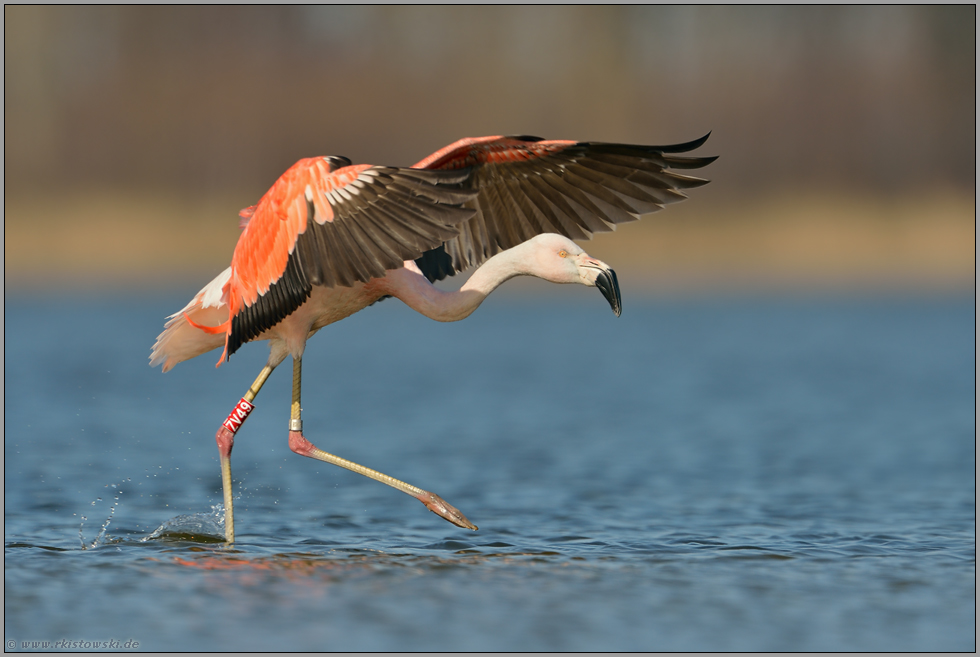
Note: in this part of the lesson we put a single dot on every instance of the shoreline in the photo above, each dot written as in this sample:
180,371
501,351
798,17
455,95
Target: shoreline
786,242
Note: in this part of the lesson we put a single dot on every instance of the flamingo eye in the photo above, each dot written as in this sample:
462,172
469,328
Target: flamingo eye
563,253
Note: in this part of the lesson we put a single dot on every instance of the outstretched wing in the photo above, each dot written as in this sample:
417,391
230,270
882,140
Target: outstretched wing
527,186
325,222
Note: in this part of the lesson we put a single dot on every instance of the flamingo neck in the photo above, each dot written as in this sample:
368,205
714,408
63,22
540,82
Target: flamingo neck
413,288
494,272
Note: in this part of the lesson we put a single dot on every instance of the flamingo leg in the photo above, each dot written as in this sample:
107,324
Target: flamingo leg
226,440
299,444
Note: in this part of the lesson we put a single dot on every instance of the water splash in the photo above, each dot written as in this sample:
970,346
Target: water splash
101,538
208,527
199,527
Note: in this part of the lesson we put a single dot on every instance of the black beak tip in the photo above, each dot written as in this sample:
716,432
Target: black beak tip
608,284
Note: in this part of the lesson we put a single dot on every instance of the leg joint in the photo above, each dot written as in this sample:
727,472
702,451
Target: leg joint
299,444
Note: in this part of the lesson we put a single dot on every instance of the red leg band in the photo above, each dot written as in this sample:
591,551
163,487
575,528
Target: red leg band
238,416
226,434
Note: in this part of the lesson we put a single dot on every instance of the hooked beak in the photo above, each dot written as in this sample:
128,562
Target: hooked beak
608,284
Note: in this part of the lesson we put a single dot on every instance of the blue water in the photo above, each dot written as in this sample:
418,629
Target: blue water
740,474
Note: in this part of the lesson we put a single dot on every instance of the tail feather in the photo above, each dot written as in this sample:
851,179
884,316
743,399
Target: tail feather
182,337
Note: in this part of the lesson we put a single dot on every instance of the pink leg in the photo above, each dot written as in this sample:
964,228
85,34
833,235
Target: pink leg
299,444
226,440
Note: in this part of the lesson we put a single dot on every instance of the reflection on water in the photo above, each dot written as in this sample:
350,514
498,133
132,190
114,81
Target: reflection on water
707,475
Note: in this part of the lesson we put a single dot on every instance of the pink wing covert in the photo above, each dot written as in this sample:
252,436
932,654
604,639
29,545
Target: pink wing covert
325,222
527,186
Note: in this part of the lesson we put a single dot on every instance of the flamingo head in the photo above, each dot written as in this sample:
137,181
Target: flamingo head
558,259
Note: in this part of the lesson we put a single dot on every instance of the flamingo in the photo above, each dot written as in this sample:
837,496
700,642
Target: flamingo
331,238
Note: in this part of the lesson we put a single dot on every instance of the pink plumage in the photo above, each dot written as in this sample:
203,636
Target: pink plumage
330,238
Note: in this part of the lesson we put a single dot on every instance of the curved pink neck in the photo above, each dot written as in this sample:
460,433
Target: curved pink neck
409,285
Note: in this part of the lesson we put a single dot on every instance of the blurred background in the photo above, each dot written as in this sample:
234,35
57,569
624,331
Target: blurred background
133,135
772,449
